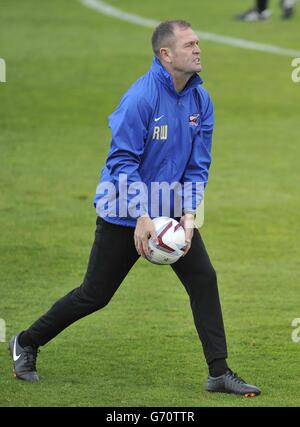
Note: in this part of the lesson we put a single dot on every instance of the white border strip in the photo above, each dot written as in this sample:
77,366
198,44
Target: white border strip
106,9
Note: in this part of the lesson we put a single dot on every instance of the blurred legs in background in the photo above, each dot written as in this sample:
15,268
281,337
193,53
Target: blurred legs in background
260,11
287,8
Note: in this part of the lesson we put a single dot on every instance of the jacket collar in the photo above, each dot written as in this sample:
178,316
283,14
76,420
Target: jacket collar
165,77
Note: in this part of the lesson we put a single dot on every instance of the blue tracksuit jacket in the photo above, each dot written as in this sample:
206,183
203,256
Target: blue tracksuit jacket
158,135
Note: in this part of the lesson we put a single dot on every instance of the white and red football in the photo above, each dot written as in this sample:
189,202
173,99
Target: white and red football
171,241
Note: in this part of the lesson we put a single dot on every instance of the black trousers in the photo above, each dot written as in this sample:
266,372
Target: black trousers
261,5
112,256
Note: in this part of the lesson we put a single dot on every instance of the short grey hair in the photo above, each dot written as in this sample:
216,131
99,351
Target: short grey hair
164,33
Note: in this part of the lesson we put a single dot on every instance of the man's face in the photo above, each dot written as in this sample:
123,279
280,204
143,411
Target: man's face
185,51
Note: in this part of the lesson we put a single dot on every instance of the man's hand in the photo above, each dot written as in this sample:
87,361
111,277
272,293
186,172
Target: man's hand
188,223
143,230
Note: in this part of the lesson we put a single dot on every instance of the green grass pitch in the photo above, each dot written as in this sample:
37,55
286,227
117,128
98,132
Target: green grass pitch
67,67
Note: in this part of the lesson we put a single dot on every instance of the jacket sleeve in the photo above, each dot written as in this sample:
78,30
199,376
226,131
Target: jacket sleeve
196,174
129,128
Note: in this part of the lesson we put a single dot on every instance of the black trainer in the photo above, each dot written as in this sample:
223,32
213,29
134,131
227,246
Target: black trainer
24,360
231,383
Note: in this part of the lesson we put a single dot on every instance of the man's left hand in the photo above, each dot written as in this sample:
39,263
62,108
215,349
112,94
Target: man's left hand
188,223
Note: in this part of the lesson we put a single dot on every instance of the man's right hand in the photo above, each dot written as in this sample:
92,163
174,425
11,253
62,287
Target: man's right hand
143,230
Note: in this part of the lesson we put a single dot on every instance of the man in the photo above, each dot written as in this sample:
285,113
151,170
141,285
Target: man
161,132
260,12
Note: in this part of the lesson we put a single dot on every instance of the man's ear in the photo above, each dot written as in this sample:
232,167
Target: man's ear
165,54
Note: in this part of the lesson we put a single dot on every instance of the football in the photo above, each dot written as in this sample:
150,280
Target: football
171,241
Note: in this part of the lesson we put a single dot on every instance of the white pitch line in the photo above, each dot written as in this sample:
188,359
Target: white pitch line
106,9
